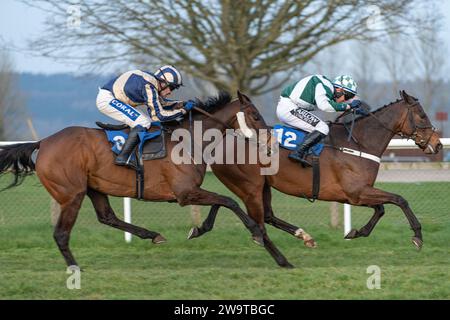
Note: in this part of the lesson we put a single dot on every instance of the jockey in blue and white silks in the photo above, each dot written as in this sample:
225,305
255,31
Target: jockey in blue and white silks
138,98
309,94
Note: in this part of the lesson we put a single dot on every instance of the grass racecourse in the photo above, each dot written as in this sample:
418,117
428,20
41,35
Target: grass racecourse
225,264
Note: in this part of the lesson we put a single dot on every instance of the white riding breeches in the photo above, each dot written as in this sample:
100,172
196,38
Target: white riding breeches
122,112
291,114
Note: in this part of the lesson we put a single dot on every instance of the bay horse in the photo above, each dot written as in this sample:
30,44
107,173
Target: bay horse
345,178
78,161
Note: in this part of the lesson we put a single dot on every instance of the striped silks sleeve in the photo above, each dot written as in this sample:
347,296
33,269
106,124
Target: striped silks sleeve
156,109
169,104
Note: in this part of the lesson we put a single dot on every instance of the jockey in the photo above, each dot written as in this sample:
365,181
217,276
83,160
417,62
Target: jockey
312,93
137,98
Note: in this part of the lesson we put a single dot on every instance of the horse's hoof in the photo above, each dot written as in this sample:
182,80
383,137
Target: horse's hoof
310,243
74,267
258,240
417,242
193,233
287,265
352,234
159,239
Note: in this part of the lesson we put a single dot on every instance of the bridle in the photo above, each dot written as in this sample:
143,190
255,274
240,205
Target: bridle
415,135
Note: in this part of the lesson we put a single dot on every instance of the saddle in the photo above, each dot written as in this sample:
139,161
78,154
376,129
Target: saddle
152,143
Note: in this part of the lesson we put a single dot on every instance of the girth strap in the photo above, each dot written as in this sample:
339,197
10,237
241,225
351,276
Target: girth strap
139,177
315,163
316,178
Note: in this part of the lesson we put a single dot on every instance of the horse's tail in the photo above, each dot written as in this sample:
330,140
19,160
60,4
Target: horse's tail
16,158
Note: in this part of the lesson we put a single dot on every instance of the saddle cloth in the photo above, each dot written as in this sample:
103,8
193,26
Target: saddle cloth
289,138
151,145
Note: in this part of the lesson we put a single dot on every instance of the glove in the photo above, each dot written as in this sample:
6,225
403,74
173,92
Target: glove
361,111
188,105
355,104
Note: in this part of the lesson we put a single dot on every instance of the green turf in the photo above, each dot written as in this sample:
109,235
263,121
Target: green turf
225,264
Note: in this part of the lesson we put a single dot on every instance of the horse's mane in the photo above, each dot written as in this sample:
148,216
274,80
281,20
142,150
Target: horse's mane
388,105
213,104
393,102
367,107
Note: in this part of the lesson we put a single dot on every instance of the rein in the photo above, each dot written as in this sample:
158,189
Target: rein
415,126
242,107
408,116
209,115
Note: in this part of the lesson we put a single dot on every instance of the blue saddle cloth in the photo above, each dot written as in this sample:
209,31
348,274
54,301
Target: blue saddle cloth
118,138
289,138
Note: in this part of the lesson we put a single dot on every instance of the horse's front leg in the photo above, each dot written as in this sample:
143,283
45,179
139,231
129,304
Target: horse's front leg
258,231
367,229
372,196
198,196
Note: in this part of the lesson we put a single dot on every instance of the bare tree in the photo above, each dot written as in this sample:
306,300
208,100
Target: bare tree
12,108
231,44
364,68
430,58
394,53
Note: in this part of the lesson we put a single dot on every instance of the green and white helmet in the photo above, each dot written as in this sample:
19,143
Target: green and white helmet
346,82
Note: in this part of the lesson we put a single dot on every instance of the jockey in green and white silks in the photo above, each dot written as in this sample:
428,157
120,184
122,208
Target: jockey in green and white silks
311,93
139,98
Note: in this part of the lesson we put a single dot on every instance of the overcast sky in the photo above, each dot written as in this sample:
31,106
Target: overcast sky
19,23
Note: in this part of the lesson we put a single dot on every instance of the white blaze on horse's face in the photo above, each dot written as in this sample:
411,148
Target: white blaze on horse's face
243,125
430,149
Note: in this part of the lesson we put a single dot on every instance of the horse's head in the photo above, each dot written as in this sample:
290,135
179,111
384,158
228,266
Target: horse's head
238,114
249,115
416,125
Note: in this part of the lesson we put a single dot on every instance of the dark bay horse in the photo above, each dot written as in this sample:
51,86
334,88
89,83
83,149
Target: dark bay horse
78,161
345,178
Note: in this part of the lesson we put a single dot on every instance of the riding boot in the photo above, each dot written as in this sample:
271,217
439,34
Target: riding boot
302,150
129,145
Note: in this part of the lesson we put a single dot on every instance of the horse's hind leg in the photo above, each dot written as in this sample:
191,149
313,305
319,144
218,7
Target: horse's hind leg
202,197
254,205
106,215
270,218
367,229
67,218
256,209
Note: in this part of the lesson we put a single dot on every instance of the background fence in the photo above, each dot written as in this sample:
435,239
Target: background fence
425,186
